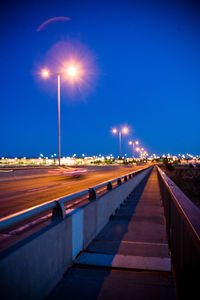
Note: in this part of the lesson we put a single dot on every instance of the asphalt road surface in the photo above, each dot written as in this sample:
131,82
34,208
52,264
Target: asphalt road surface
31,188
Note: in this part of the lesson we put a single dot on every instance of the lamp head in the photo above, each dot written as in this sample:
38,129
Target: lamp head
125,130
45,73
72,71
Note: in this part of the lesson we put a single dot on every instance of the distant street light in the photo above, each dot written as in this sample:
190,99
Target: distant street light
124,130
143,153
71,72
133,144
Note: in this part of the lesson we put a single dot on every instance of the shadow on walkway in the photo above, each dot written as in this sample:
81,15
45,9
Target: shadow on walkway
129,258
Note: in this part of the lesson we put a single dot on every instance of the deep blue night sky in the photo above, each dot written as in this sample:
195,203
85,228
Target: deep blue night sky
146,67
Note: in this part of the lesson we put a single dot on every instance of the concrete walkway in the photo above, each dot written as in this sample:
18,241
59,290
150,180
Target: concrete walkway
129,258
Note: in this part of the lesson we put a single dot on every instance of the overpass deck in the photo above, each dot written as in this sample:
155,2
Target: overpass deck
129,258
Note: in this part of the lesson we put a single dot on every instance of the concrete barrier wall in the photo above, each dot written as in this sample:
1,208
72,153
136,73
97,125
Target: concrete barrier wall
30,269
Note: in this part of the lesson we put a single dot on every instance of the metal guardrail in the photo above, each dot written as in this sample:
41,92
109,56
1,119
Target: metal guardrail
183,231
57,205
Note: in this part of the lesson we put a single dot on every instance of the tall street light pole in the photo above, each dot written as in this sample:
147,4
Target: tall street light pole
71,72
124,130
46,73
133,144
59,143
120,144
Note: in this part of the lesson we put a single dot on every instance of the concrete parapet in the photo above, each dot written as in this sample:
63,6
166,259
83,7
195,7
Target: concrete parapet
32,267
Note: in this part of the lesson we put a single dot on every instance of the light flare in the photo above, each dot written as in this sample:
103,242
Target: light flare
125,130
72,71
55,19
77,66
45,73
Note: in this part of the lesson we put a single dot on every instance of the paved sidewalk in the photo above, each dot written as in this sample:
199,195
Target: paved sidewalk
129,258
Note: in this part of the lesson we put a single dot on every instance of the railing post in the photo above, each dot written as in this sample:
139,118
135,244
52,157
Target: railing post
58,212
109,186
125,178
92,194
130,176
119,181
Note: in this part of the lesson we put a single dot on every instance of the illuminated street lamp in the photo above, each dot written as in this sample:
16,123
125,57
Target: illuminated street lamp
71,72
143,153
124,130
133,144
